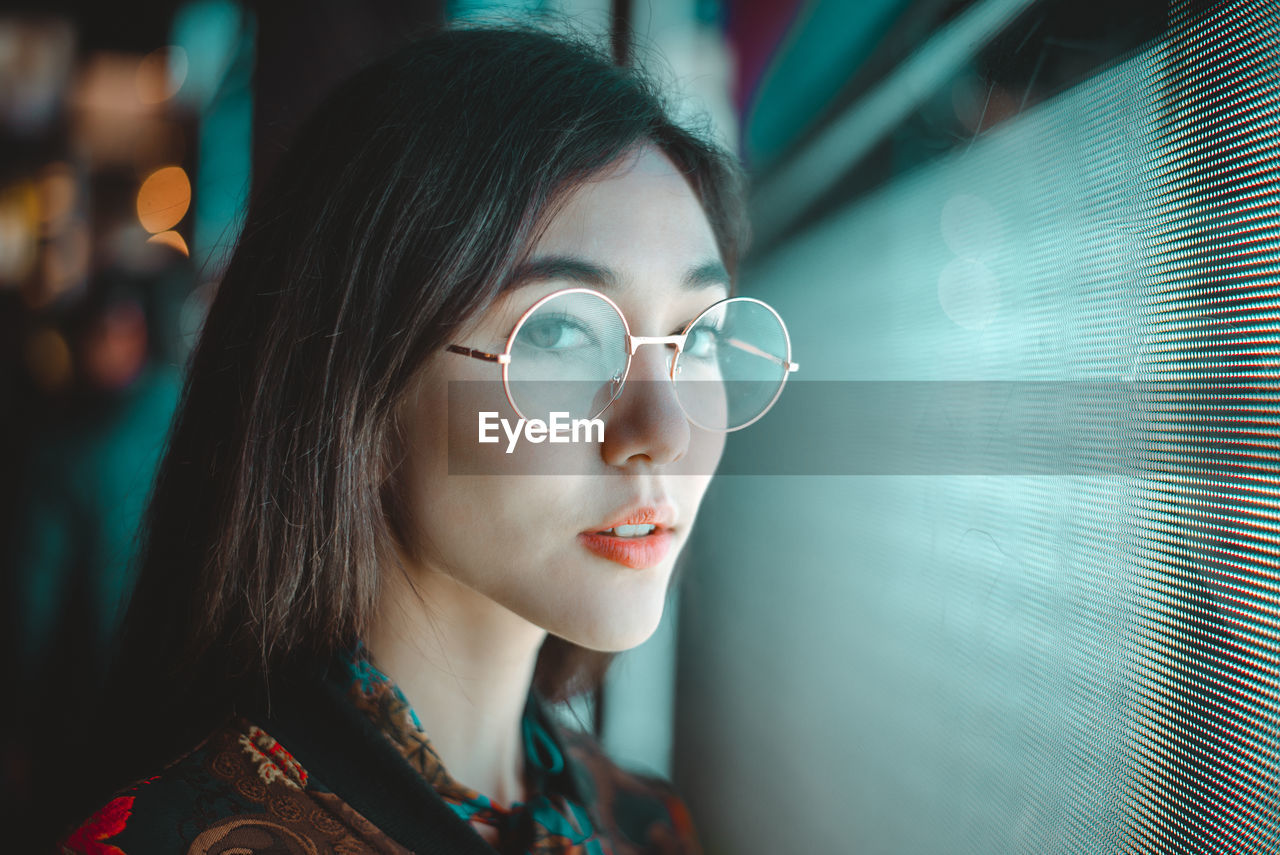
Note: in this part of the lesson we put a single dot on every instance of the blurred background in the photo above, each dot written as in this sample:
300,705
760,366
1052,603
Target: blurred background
868,659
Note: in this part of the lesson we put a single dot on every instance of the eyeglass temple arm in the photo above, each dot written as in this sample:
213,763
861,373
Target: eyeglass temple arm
635,341
500,358
751,348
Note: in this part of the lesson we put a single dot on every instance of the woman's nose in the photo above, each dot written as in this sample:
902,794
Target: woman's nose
645,421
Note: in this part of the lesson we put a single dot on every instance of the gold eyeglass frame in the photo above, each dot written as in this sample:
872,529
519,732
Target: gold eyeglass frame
633,343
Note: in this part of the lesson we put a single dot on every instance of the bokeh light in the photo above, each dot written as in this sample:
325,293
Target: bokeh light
161,74
57,188
115,347
164,198
65,265
19,213
172,239
48,358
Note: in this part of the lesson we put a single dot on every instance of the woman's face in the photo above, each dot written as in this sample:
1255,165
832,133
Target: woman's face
524,533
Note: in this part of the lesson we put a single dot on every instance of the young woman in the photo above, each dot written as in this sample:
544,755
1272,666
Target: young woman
338,643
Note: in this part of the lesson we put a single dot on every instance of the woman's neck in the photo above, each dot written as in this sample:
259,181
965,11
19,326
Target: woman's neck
465,664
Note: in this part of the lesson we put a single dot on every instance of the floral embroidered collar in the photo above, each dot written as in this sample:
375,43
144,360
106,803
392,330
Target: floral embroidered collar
551,820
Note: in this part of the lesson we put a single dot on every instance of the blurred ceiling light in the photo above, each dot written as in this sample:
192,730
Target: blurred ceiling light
107,83
36,58
164,198
111,122
170,238
160,74
19,215
48,359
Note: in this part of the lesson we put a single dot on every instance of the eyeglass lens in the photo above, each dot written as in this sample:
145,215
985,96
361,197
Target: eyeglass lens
570,356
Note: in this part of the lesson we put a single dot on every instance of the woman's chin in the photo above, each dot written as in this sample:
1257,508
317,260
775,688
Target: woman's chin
610,636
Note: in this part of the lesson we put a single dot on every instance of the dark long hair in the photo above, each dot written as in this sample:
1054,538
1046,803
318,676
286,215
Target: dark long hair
402,208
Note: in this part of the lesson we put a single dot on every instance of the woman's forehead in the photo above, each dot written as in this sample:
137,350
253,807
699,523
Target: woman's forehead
635,231
638,209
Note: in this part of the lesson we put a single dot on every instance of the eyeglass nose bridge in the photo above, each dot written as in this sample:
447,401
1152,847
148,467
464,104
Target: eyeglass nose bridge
634,341
633,344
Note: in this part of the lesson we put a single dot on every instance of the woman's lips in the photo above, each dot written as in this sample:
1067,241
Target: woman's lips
637,552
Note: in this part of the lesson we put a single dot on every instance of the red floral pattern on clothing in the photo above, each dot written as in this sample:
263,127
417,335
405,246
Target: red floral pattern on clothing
272,760
109,821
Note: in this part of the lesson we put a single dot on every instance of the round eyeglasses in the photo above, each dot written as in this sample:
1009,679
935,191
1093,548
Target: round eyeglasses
571,351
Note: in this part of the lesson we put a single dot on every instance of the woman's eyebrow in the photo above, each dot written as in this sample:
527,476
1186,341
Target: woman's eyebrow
707,274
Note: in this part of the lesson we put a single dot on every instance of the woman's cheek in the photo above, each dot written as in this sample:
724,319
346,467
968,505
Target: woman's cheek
486,437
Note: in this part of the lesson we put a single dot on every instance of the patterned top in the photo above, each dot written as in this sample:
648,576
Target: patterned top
338,763
549,822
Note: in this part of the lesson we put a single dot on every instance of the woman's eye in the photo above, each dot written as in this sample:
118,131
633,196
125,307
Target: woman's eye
701,342
556,333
